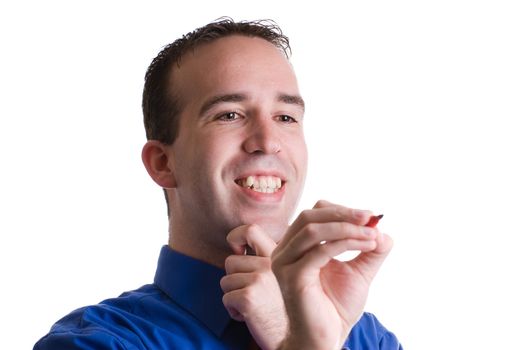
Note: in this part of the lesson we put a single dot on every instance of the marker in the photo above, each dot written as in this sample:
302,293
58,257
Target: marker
373,221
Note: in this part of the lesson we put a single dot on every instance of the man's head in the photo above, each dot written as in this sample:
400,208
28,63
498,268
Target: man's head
226,140
161,109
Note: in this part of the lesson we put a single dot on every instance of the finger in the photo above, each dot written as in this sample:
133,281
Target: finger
251,236
356,216
237,303
320,256
314,234
370,262
236,281
326,213
322,203
246,263
232,303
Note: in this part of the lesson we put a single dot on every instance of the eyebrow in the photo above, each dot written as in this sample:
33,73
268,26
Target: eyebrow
292,99
213,101
220,99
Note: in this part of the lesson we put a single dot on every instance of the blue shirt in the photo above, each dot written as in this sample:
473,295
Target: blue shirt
183,309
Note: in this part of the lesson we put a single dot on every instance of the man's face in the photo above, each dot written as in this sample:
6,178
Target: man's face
240,155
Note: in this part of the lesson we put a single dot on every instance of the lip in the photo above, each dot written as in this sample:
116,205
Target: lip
276,173
261,196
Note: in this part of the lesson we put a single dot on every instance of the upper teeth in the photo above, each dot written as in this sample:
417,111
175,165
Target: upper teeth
266,184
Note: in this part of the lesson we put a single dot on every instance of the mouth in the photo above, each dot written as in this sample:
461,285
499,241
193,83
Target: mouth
261,184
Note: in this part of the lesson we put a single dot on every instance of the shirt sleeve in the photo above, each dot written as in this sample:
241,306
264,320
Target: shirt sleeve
390,342
96,340
370,334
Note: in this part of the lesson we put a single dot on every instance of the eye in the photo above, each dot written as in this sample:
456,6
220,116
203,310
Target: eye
287,119
229,117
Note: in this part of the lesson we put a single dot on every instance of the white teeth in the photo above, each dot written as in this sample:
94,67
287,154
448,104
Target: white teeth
264,184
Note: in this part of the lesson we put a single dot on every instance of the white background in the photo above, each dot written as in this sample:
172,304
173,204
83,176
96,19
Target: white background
413,110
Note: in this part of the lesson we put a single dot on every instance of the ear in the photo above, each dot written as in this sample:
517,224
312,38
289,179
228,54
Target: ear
155,157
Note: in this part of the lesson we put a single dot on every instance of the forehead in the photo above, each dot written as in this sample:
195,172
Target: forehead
232,64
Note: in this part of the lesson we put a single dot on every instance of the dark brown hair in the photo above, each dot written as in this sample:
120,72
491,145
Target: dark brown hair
160,110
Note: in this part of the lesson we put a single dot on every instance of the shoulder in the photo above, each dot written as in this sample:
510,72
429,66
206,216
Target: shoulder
369,333
107,325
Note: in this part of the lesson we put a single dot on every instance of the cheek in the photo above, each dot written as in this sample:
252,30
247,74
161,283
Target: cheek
210,152
304,153
300,154
211,155
192,159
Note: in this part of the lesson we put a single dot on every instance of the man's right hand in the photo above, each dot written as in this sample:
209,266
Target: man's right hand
252,293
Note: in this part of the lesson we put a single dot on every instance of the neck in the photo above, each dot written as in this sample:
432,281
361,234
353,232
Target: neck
190,242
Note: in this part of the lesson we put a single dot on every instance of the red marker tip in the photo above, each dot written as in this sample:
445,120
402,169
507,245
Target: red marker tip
373,221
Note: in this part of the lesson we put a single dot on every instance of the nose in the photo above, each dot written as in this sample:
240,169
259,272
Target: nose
262,137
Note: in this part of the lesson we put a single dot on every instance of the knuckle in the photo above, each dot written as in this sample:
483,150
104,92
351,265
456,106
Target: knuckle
311,232
322,203
351,231
367,232
305,216
258,278
263,263
251,229
248,297
341,212
228,300
345,227
370,245
360,230
252,232
242,301
387,244
319,203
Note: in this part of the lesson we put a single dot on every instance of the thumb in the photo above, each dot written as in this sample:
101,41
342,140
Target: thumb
251,236
368,263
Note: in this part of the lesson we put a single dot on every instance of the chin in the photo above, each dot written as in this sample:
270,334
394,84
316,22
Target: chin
275,230
273,225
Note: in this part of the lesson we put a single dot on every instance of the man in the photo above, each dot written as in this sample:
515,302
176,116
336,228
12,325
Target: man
224,122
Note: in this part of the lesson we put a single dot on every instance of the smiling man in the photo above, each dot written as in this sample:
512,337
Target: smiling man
224,123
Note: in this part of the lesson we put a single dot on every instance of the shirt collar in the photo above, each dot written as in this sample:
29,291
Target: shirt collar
194,286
